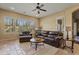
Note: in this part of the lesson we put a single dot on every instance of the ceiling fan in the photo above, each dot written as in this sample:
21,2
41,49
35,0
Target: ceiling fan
38,8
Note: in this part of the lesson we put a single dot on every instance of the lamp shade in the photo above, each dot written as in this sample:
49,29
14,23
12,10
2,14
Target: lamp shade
68,28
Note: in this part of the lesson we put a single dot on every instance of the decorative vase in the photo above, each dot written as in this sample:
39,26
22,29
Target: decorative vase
33,40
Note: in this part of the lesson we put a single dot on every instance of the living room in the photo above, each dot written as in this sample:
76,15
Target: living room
53,25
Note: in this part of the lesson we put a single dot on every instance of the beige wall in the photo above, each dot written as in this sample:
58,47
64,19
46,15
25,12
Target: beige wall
3,13
49,22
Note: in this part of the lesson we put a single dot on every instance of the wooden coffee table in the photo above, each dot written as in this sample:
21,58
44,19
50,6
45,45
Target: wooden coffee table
38,40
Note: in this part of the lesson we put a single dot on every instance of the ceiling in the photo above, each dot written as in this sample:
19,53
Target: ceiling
26,8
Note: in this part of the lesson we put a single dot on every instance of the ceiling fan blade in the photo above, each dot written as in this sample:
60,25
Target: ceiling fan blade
43,10
34,10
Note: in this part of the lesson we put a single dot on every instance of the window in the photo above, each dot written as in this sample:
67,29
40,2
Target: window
24,25
8,22
18,25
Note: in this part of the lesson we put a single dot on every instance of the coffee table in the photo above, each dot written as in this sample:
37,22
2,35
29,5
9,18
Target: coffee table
38,40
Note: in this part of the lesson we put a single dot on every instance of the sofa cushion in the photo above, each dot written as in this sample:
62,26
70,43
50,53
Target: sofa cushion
45,35
48,38
51,33
40,36
26,33
51,36
25,36
44,32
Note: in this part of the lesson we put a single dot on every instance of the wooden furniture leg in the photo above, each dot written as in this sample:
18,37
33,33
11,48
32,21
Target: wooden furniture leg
35,46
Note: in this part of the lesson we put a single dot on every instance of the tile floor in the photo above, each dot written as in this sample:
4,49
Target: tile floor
13,47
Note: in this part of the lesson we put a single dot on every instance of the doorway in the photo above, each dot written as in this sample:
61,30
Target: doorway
75,24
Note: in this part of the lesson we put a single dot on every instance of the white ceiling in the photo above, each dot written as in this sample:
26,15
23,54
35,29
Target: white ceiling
26,8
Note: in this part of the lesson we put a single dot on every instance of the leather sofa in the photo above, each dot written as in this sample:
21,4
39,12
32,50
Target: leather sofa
25,36
52,38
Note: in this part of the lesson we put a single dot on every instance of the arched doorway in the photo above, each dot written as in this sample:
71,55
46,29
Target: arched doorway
75,25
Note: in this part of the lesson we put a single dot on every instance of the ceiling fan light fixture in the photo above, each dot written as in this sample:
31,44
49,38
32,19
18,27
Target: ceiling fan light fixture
38,7
37,15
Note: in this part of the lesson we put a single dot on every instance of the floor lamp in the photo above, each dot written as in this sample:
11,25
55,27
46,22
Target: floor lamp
68,28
